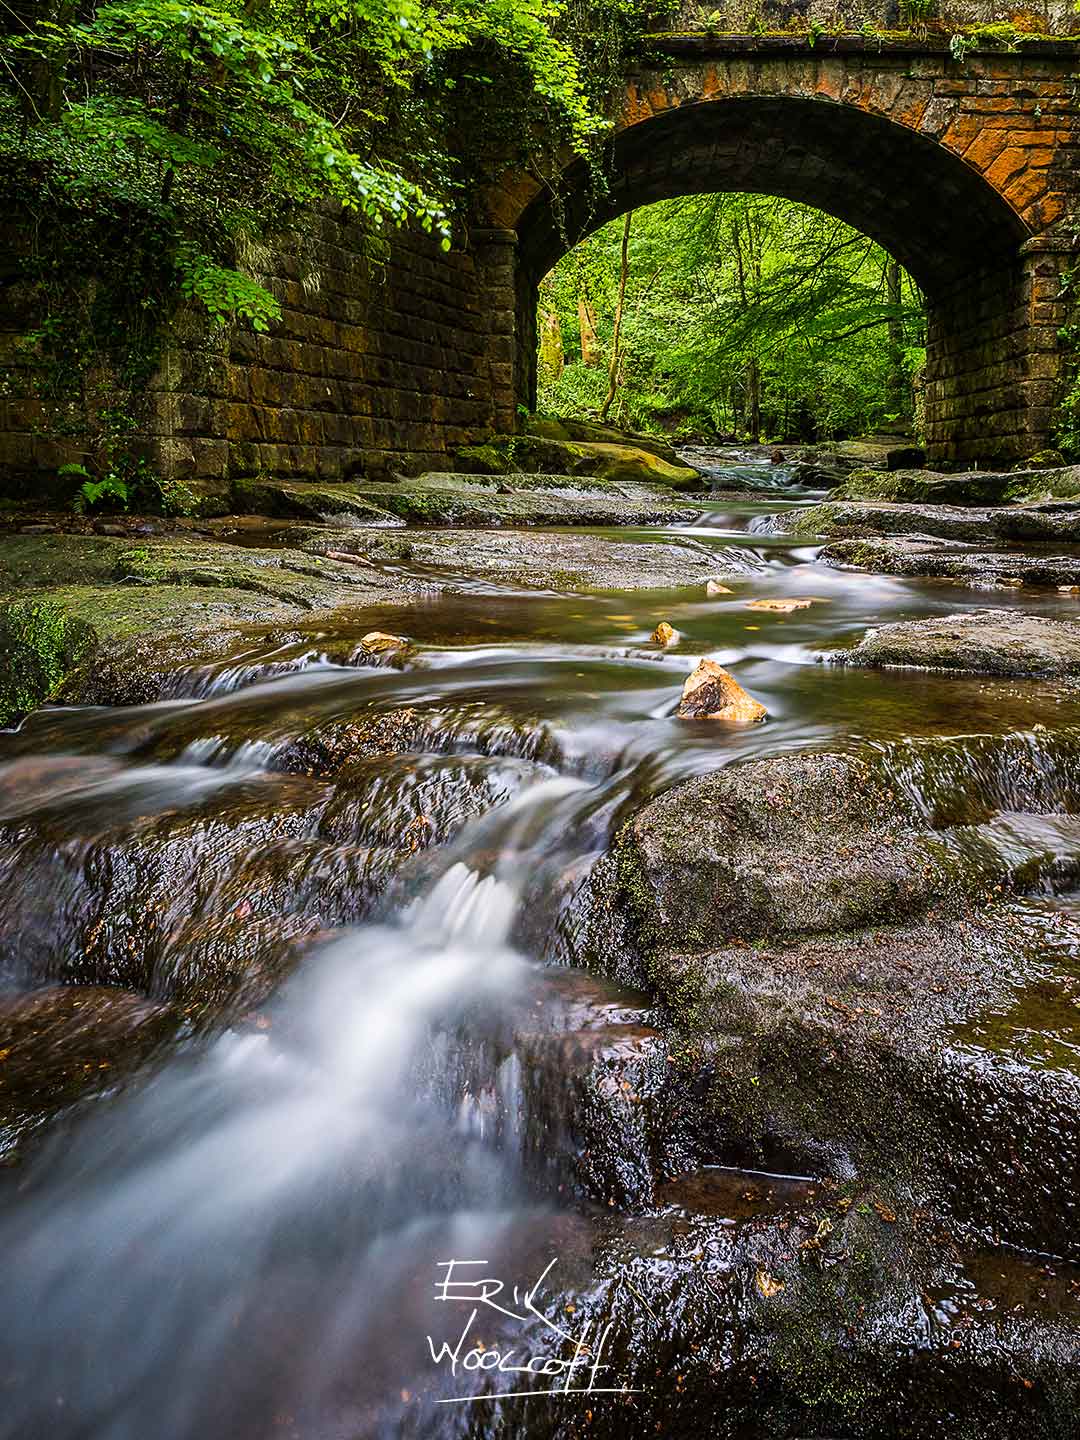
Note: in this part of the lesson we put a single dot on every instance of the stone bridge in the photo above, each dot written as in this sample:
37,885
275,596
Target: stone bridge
965,171
390,354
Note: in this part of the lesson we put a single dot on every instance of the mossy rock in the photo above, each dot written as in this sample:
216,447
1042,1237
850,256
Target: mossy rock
608,459
90,619
302,500
1056,521
986,642
481,460
547,428
972,487
40,642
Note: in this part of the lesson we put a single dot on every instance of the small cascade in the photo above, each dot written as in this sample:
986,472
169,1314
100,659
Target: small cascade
317,976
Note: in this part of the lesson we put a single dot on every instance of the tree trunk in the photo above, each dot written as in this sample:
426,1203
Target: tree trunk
898,399
616,334
753,396
753,371
551,346
41,98
590,342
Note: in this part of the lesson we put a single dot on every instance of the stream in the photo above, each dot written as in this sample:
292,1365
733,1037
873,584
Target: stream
277,1227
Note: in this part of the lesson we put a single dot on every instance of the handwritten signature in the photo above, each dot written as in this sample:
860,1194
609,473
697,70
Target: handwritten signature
576,1373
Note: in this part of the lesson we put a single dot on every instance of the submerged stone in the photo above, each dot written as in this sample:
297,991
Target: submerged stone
379,648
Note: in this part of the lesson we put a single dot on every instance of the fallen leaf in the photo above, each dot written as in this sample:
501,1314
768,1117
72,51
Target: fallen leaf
767,1284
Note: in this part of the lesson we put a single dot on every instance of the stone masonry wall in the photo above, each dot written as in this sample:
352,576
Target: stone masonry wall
993,359
385,358
382,360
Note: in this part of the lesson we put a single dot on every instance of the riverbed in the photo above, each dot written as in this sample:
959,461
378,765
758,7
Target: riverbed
410,1184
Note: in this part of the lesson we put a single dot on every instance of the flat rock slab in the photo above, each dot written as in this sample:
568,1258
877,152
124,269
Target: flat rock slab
1048,521
987,642
91,618
483,502
534,560
969,487
929,557
299,500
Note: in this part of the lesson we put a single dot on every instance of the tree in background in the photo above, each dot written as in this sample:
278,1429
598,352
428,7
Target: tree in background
740,314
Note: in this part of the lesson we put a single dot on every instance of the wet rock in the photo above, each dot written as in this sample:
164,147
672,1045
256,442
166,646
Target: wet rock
409,805
989,642
457,559
665,634
379,648
341,504
714,587
64,1043
711,693
971,487
534,499
829,1039
206,905
1048,521
928,557
472,728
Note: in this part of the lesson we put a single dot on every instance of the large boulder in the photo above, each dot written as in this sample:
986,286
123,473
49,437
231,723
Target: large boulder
828,936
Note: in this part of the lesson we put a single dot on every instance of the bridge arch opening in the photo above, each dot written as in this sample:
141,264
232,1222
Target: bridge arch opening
955,234
730,317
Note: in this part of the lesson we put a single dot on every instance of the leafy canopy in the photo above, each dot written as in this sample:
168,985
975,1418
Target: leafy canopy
778,308
205,123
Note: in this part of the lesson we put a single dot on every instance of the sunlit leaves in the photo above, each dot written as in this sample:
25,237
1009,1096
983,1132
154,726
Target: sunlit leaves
224,293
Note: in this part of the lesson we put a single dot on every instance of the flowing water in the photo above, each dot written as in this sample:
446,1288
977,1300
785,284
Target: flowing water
253,1236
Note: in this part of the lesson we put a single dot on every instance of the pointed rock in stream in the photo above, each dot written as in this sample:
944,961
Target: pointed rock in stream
710,693
378,647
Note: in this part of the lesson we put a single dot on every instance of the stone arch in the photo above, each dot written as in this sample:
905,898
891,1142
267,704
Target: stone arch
937,215
957,187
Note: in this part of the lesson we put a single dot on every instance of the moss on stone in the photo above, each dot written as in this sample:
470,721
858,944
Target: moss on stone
481,460
39,643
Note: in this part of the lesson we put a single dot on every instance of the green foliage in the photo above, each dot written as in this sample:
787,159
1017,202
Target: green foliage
226,294
110,491
150,145
790,324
